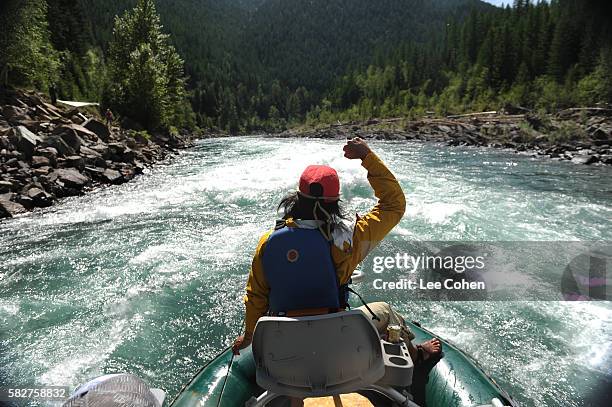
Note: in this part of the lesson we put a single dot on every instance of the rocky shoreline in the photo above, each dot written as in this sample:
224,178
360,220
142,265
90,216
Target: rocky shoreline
48,152
582,136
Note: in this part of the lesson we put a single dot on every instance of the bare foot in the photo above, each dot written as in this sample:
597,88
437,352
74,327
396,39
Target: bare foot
431,347
425,350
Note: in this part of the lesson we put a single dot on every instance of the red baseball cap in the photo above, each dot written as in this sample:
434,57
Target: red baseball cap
323,175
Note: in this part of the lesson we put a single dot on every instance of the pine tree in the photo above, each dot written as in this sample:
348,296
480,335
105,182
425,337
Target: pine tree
27,57
147,81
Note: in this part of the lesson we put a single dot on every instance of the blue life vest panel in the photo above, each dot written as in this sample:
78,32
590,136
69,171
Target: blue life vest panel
299,270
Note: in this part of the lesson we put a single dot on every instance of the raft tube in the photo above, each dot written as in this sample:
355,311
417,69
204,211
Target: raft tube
456,381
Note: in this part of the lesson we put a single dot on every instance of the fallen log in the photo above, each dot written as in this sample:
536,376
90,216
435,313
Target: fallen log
456,116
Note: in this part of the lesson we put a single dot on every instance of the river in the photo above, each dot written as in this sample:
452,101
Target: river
147,277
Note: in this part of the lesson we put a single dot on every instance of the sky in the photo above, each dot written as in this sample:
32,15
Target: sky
498,2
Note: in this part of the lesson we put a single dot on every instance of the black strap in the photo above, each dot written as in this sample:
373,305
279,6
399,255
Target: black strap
374,317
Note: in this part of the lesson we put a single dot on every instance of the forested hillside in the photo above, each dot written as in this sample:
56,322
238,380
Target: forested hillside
540,56
268,63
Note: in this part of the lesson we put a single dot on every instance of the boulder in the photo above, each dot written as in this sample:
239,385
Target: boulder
112,176
32,125
25,201
73,140
98,128
59,145
5,186
75,161
69,177
23,166
4,141
41,171
95,172
39,197
48,152
70,137
24,140
10,208
11,163
101,149
89,152
585,159
40,161
120,152
14,113
78,129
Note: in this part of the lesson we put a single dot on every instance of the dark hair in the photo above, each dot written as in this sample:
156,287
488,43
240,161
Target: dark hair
298,206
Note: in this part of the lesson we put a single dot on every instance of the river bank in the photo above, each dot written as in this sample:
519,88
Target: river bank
582,136
49,152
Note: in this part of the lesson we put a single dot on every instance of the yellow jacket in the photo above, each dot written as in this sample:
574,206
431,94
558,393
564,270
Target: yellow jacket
347,251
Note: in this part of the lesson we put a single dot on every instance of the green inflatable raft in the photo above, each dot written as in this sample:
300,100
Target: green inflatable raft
455,381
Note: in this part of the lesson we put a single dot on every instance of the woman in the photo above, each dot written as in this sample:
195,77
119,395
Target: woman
301,267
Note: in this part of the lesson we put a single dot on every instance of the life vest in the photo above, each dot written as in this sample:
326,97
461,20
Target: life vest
300,271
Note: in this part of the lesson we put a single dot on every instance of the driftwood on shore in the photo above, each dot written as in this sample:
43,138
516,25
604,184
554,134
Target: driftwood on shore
553,136
457,116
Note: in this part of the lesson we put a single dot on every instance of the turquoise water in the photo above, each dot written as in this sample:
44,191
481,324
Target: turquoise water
147,277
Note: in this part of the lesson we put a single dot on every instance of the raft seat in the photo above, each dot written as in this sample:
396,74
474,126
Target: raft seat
327,355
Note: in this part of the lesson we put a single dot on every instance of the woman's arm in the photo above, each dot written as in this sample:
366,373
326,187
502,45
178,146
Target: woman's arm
256,297
377,223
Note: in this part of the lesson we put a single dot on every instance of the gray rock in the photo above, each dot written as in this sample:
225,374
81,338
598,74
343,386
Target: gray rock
24,140
4,213
49,152
70,178
101,149
10,208
98,128
112,176
41,171
40,161
78,129
95,171
71,138
89,152
23,166
40,198
5,186
25,201
59,145
4,141
120,152
14,113
75,161
585,159
606,159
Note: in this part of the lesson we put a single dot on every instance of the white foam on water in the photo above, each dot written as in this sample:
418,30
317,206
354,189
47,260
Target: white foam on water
183,236
87,356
